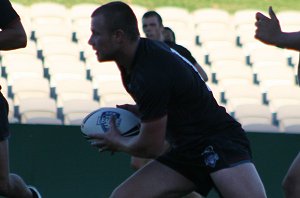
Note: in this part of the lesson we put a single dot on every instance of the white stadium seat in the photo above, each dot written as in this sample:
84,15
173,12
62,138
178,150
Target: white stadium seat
75,110
30,108
288,118
244,74
30,87
69,89
253,114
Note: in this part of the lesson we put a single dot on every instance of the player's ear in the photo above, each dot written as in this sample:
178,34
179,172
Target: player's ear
119,35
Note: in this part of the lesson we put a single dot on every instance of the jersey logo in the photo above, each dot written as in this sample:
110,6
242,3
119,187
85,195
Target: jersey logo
104,120
210,156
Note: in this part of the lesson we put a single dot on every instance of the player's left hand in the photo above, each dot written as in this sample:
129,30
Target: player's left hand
106,141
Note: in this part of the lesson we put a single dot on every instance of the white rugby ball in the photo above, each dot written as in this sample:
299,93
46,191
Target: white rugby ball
99,121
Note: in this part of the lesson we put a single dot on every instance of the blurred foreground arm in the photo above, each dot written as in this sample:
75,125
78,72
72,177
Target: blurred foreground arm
13,36
269,31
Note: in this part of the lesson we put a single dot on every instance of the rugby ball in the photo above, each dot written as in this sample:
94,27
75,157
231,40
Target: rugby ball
99,121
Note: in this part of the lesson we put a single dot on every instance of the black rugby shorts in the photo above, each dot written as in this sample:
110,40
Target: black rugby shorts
217,152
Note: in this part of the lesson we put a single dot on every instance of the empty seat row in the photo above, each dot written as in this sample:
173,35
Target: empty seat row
233,61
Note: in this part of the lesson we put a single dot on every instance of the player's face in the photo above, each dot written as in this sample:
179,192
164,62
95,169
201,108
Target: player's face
152,28
102,40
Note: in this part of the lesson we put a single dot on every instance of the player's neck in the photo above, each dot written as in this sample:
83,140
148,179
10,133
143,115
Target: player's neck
127,55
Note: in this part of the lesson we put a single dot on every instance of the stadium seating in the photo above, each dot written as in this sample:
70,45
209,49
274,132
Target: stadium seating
211,21
180,21
21,68
267,53
229,72
65,69
281,95
241,94
29,50
103,72
243,22
256,83
30,88
76,109
111,92
38,108
253,113
278,76
211,18
80,16
224,52
69,89
289,20
49,13
288,117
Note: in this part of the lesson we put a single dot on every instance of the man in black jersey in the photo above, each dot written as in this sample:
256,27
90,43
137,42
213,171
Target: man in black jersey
153,29
12,36
207,146
269,32
170,38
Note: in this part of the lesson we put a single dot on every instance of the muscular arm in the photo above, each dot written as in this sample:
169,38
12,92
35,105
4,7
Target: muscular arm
289,40
13,36
149,143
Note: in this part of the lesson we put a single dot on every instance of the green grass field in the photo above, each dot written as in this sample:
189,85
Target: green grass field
230,5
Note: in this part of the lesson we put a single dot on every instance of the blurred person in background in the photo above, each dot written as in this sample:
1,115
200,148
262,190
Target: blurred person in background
12,36
154,29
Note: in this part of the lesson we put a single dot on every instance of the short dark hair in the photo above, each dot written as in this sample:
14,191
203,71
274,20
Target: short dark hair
120,16
152,13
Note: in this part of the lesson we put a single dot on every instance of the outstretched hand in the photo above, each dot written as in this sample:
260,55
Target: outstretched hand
268,29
